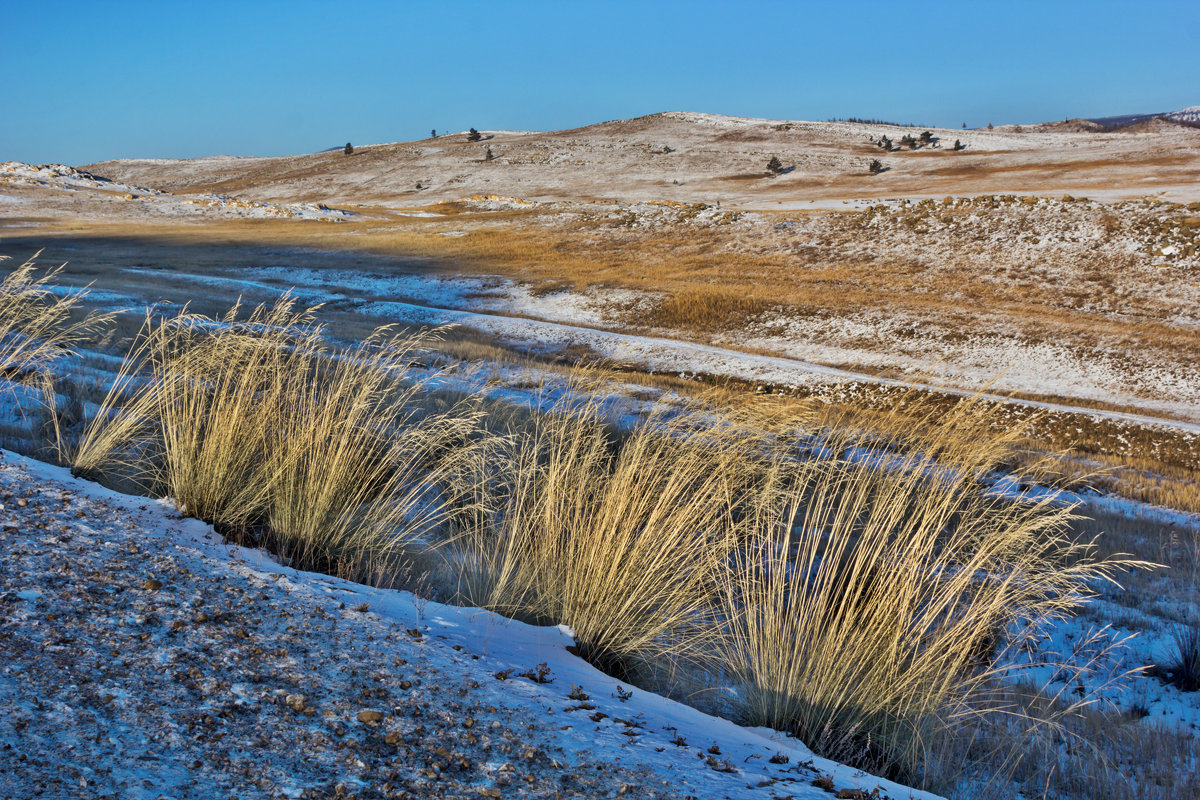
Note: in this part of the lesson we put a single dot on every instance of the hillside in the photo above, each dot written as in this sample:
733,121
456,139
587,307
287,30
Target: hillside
143,657
701,157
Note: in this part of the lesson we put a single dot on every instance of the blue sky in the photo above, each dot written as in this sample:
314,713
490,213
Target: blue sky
85,81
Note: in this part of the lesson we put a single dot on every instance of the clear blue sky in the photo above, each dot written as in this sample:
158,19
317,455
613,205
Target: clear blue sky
85,81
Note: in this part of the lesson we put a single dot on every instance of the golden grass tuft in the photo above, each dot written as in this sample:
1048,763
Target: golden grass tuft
884,576
620,537
38,326
260,426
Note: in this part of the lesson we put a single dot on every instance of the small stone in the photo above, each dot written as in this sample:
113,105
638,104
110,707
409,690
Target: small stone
392,738
406,685
22,502
201,618
469,723
296,702
370,717
151,585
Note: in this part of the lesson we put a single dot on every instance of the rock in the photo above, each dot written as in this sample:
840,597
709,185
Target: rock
200,618
296,702
151,585
370,717
22,502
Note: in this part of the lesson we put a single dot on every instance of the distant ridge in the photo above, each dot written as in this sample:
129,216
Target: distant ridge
1188,116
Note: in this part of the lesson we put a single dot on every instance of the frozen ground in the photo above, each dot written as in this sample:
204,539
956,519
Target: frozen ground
113,197
145,658
548,322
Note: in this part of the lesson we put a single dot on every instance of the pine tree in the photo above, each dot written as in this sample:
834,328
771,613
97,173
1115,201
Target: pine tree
958,145
349,149
488,156
885,143
473,135
875,167
433,134
774,165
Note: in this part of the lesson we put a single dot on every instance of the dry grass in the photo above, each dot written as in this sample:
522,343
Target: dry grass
618,536
37,326
259,426
708,308
1090,753
876,598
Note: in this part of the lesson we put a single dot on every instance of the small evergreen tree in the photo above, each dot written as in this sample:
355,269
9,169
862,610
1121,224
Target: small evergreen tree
885,143
926,137
433,134
909,141
489,155
349,149
964,126
875,167
774,165
958,145
989,126
473,135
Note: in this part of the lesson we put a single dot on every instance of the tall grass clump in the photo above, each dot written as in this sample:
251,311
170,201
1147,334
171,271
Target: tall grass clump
257,423
38,326
874,600
619,536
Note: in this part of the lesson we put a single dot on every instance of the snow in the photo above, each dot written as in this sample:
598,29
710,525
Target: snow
60,176
153,202
561,319
1190,114
450,645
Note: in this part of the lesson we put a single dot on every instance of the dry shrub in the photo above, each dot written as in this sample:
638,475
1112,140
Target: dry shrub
874,601
260,426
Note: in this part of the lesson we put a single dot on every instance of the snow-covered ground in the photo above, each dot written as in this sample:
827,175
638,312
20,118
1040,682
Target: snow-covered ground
153,203
145,658
548,322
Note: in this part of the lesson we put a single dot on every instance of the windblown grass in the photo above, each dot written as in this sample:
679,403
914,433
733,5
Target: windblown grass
620,537
261,426
883,581
38,326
